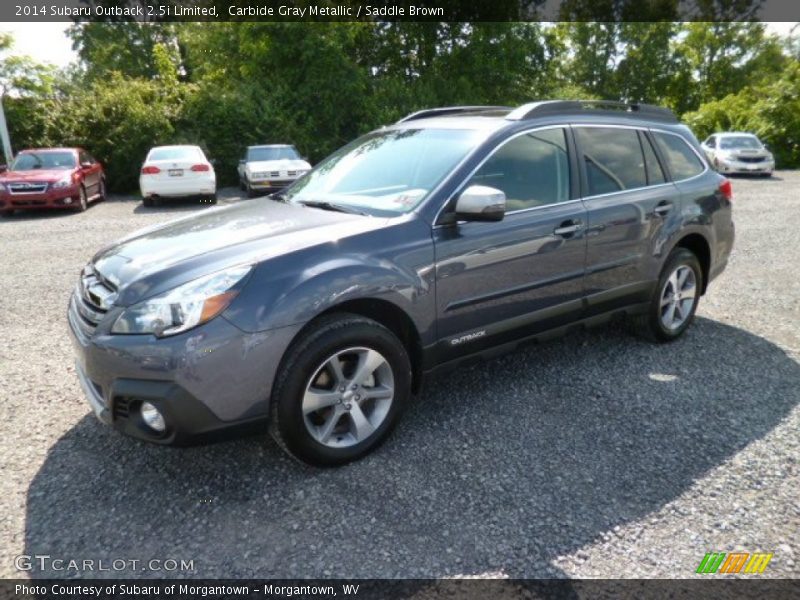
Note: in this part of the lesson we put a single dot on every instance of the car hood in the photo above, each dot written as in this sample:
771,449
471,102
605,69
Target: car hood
48,175
159,258
277,165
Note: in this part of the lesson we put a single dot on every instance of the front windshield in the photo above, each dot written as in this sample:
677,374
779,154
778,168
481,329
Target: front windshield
746,142
386,173
29,161
279,153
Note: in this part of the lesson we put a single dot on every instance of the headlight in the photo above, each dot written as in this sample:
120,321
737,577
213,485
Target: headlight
184,307
65,181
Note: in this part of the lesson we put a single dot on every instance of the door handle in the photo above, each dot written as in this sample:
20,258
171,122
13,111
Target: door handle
568,228
662,208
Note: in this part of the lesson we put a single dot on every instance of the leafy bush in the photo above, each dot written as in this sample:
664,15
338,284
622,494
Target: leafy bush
771,111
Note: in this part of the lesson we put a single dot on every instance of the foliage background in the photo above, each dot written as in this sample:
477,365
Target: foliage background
318,85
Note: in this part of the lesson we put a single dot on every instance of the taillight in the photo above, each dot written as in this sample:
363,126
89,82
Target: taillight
726,189
201,167
150,170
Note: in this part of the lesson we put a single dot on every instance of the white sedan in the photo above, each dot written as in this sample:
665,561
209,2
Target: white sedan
177,172
269,168
734,152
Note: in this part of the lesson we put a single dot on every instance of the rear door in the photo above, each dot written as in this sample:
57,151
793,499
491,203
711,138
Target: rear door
91,171
628,202
500,280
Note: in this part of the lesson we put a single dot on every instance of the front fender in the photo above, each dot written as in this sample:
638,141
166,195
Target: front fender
294,289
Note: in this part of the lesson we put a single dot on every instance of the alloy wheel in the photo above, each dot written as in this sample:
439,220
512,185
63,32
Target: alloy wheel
348,397
678,298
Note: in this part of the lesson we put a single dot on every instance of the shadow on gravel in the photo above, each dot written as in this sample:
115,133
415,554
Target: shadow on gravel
498,469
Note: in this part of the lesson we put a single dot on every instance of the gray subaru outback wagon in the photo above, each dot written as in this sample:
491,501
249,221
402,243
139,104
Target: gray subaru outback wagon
452,234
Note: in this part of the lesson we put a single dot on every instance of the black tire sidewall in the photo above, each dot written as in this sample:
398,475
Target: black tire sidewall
678,257
302,363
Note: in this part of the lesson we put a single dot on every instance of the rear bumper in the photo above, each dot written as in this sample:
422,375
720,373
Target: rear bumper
178,187
63,198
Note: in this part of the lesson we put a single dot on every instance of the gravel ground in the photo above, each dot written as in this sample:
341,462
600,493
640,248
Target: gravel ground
598,455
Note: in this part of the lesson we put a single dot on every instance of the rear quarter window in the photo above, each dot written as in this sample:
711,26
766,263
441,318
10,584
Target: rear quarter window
681,160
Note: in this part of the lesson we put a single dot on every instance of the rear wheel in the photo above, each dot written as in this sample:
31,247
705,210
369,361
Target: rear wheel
340,391
148,201
675,298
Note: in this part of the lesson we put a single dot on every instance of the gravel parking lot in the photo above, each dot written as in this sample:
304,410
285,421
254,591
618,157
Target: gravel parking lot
598,455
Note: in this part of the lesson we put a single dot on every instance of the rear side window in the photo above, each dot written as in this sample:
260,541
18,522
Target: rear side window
655,174
531,169
613,159
682,161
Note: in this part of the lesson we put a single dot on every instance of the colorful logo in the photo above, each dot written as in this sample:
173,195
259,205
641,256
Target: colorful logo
734,562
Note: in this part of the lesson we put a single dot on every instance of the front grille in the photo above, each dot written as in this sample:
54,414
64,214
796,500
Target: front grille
94,295
27,188
28,202
752,159
274,173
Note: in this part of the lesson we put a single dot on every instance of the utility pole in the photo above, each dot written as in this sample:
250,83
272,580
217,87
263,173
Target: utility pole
9,156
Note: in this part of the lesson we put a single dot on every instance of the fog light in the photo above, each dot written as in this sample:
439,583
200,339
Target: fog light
67,200
152,417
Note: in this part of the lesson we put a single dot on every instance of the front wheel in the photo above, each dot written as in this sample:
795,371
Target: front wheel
675,298
341,390
83,200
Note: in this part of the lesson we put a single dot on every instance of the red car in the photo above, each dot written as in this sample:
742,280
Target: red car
67,178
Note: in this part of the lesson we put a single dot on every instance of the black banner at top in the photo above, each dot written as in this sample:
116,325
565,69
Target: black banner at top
398,10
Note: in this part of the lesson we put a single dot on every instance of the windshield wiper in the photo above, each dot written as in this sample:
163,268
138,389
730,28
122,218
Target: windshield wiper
333,206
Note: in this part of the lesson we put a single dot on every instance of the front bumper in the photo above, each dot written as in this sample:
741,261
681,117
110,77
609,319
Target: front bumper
735,167
212,381
58,198
271,184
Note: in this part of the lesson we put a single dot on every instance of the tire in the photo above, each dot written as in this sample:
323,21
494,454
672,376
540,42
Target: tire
251,193
148,201
353,418
83,200
212,199
101,193
242,186
6,213
667,317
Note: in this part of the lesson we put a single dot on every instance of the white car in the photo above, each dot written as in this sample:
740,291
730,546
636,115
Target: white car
177,172
735,152
269,168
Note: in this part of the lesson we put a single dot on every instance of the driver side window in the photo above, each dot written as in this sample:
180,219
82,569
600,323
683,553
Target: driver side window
531,169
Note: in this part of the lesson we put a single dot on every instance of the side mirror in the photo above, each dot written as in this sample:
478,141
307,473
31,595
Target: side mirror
86,165
242,161
3,168
481,203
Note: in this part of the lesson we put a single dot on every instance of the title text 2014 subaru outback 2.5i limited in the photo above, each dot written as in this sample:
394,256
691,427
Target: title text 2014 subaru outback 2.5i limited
452,234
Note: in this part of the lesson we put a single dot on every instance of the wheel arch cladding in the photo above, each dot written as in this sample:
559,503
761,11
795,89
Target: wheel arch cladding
699,246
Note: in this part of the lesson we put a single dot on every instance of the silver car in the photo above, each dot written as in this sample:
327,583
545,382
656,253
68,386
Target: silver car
735,152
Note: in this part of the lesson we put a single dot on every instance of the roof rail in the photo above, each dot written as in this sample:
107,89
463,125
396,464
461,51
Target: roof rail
549,107
448,110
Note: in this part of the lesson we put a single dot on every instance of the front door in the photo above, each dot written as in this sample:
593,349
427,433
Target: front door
501,280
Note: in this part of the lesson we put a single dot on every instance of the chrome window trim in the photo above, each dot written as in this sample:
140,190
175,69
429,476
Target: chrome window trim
460,187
